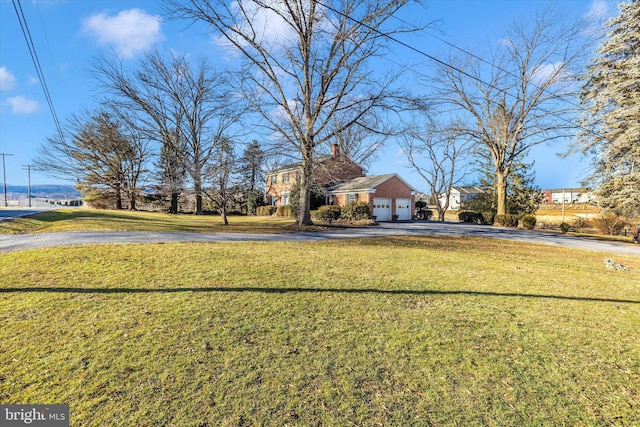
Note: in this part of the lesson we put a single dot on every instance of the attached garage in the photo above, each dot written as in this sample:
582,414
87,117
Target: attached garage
389,197
382,209
403,209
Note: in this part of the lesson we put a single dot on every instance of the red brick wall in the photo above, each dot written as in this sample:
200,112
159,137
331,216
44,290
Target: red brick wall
393,189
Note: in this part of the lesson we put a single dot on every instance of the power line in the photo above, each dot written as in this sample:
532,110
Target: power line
462,72
36,62
491,64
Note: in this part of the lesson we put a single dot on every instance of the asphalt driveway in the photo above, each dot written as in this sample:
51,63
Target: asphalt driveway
31,241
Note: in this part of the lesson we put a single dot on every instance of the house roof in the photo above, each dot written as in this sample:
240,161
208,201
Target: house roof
364,183
318,160
468,190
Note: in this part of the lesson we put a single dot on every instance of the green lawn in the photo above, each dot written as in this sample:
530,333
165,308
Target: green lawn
109,220
394,332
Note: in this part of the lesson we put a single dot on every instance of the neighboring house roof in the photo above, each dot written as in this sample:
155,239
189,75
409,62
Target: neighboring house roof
318,160
468,190
364,184
567,190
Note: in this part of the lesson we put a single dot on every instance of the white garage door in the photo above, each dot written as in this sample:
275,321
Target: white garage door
403,209
382,209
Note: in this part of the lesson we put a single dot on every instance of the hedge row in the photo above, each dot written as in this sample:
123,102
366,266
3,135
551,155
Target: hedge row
353,211
528,221
273,210
507,220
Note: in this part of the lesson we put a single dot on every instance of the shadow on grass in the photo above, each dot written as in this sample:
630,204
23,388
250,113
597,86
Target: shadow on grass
308,290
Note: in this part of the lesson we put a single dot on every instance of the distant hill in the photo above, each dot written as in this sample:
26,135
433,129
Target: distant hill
43,191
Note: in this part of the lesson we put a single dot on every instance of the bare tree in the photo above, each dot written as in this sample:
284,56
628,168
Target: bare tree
358,142
103,154
189,106
220,176
170,165
522,96
439,156
307,64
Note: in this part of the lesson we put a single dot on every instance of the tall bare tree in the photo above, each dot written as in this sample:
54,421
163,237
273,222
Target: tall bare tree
308,64
190,106
439,155
519,98
358,142
171,168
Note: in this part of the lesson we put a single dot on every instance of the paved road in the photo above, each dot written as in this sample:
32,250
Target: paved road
6,213
30,241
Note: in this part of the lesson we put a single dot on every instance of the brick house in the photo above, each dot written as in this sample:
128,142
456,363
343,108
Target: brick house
342,181
327,171
389,196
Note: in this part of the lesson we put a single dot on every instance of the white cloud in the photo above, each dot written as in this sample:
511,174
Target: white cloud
7,80
506,42
129,32
268,24
542,73
598,11
22,105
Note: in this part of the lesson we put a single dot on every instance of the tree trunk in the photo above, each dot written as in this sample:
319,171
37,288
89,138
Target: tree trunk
223,213
441,213
501,192
132,201
174,203
304,215
118,199
197,189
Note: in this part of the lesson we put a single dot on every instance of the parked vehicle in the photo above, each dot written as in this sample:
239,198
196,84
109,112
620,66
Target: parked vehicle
636,237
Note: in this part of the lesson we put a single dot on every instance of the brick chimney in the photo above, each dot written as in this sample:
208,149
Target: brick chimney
335,150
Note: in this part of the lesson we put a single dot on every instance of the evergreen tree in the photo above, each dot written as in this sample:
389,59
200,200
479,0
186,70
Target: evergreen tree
611,93
252,166
523,195
251,171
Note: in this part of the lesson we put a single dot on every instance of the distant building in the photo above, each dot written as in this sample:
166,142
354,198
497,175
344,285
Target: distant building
568,195
460,195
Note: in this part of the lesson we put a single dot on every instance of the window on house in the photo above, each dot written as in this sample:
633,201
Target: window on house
298,176
274,179
352,197
285,177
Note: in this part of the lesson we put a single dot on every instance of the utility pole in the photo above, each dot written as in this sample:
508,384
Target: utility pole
28,169
563,205
4,175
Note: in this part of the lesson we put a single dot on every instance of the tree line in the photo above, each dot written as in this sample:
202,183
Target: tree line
175,122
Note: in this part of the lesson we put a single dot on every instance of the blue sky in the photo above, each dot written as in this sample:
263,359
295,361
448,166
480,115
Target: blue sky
67,34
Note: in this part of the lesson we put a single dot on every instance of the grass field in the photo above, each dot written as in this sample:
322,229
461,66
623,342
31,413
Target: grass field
397,331
75,219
